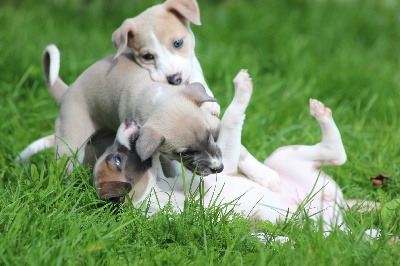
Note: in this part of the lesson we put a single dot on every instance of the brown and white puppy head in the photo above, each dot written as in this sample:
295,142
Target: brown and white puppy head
161,40
179,129
120,170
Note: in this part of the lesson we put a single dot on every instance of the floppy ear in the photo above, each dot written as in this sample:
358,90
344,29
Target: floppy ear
213,122
197,93
148,142
122,36
188,9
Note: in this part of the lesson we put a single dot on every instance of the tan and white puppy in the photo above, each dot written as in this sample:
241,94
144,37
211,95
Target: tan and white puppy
161,41
298,166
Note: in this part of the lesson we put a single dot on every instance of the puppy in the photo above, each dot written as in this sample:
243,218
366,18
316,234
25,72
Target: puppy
113,89
298,167
161,41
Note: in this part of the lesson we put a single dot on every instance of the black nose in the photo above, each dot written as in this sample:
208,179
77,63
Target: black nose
218,169
174,79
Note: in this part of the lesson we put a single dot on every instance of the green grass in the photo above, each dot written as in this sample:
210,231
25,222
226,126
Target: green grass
344,53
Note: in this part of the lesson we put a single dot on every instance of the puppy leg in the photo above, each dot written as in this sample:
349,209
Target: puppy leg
229,139
329,151
72,131
198,76
36,147
231,124
299,168
258,172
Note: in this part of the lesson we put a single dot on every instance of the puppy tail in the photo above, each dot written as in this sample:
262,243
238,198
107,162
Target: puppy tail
35,147
51,68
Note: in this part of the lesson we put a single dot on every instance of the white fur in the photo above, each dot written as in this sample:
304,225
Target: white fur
123,136
158,95
168,63
35,147
214,162
55,63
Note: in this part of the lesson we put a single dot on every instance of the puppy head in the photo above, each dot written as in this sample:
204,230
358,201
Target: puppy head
120,170
179,129
161,40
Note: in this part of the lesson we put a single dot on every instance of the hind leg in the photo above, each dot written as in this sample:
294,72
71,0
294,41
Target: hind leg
330,151
299,168
73,129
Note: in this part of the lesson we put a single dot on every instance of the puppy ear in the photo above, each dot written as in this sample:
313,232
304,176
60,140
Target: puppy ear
188,9
197,93
213,122
148,142
122,36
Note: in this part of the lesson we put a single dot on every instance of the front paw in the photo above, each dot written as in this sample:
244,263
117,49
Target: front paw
272,182
243,86
213,108
266,177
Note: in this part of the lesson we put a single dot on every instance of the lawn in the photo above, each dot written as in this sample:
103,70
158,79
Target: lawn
344,53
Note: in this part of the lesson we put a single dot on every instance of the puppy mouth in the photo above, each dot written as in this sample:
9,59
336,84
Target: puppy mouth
205,171
114,191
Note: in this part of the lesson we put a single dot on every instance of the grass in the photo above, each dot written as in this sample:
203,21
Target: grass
344,53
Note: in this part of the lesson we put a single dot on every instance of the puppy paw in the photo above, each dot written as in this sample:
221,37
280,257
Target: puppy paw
243,86
319,111
213,108
271,181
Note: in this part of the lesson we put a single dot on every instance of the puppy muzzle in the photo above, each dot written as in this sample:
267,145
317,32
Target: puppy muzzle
114,191
218,169
205,170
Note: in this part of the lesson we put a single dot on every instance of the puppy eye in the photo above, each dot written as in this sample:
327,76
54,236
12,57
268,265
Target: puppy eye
178,43
148,57
117,160
186,153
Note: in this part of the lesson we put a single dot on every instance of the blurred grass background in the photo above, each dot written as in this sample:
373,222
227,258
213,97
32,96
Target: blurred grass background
344,53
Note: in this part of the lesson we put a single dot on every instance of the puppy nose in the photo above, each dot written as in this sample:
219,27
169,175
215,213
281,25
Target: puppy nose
174,79
219,168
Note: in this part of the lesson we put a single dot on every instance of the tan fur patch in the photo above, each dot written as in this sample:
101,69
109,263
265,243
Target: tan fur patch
108,173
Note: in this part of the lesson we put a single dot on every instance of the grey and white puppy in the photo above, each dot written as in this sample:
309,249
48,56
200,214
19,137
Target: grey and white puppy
111,90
